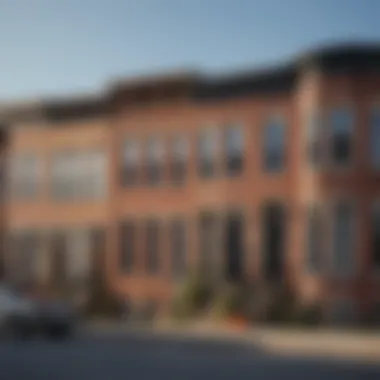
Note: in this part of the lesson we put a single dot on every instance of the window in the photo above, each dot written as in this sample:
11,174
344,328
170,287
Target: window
342,124
24,252
314,140
78,256
375,236
274,240
152,246
79,175
314,239
58,261
62,186
25,172
130,163
179,158
178,247
98,244
233,140
375,138
208,235
207,151
154,160
274,145
95,165
343,238
127,246
234,246
374,314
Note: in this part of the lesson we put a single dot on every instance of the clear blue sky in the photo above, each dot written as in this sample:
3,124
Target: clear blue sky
53,47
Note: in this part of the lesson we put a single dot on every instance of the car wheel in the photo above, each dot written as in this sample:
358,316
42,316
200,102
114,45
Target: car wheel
58,333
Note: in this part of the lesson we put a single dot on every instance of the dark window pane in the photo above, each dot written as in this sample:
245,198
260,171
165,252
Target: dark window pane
375,237
375,138
273,241
98,242
274,145
59,265
234,150
127,246
341,136
234,247
208,242
152,246
343,241
178,247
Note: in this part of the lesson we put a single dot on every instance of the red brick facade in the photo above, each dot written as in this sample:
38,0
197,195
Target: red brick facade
166,107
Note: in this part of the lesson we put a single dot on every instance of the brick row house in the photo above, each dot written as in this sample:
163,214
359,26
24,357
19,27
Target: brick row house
266,175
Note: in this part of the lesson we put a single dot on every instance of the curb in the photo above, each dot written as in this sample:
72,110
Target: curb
322,344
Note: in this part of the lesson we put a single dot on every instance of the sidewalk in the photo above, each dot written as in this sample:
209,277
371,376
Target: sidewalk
350,345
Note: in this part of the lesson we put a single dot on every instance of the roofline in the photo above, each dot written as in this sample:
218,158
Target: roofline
195,82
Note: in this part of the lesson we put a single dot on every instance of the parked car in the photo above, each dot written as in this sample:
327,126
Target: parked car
56,318
24,317
18,315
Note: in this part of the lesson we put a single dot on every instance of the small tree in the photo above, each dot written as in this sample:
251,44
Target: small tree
231,300
193,297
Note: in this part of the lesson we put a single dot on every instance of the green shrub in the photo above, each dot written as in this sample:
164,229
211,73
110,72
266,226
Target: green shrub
230,300
192,298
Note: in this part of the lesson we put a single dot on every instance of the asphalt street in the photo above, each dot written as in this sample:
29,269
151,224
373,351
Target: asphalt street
113,356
